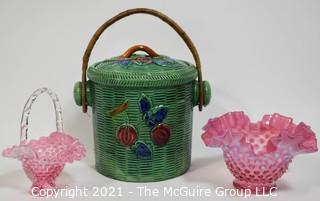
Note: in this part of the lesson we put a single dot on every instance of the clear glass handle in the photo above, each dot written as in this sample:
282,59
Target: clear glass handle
27,109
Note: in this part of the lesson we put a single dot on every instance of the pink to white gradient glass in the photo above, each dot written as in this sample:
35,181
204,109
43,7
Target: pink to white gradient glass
259,153
44,159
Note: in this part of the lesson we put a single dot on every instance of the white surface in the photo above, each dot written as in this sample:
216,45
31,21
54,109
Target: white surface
260,57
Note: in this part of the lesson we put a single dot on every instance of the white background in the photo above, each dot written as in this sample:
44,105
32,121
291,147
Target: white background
259,56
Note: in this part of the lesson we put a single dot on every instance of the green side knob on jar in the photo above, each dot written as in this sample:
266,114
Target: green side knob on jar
206,91
206,85
77,93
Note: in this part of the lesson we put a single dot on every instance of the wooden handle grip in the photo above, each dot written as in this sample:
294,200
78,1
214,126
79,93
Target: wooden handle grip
169,21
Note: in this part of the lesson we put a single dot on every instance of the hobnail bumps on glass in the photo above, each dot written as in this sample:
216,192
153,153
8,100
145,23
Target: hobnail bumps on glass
44,159
259,153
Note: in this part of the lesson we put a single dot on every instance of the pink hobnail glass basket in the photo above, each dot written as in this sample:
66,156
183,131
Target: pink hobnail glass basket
257,154
44,159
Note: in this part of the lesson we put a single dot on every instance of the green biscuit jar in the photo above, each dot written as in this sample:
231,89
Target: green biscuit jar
142,106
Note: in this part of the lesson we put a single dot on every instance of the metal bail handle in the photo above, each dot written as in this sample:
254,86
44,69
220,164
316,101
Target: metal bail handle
24,125
163,17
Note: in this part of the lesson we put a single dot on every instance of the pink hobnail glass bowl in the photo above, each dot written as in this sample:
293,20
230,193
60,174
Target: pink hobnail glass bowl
257,154
43,159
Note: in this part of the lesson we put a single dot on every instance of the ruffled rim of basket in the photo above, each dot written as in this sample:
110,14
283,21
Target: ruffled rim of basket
28,150
235,129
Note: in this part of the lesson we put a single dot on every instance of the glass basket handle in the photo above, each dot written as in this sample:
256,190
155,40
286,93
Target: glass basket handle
27,109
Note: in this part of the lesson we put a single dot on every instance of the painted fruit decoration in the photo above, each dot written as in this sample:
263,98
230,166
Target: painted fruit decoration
142,150
127,134
153,117
160,134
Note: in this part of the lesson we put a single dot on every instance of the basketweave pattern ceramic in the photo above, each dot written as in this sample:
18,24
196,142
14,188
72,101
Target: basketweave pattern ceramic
142,107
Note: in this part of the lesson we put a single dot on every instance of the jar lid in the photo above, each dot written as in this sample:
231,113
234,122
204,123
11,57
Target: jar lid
140,70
